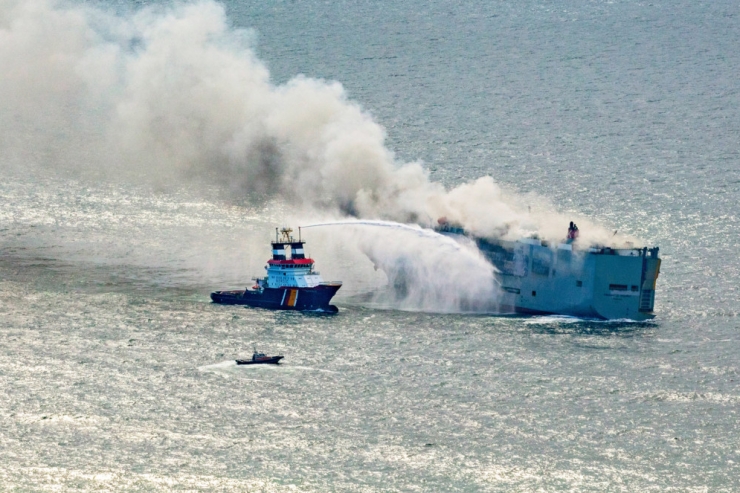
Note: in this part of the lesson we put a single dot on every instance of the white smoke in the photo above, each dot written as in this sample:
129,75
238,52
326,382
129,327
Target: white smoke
173,96
426,270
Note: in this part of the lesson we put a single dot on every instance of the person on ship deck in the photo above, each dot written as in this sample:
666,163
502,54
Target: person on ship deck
572,232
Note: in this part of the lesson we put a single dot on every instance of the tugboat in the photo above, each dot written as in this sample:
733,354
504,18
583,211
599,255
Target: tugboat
260,359
291,282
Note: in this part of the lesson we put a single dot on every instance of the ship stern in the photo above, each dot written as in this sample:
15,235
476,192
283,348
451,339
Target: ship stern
624,283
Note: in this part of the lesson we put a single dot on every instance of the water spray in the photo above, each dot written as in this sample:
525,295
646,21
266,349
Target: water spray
448,277
419,231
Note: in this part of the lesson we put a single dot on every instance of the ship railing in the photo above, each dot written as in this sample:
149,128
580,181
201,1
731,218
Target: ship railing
330,283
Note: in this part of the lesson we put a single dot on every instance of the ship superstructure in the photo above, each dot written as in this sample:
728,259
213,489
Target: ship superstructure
291,283
537,277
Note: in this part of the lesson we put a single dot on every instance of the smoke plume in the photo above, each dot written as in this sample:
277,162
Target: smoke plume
173,96
425,270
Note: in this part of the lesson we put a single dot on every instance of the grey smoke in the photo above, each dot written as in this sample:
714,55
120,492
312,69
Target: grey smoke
173,96
425,270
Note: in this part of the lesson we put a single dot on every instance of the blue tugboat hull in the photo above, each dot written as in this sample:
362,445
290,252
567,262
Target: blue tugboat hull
316,298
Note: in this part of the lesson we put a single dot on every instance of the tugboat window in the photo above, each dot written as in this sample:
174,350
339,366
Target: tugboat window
534,293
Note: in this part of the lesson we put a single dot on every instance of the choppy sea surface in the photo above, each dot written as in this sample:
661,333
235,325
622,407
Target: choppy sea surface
117,373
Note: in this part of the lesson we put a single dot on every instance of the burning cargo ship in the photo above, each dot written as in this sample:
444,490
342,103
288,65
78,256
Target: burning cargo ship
537,277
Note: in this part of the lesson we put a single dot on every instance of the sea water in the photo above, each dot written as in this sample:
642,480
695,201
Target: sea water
117,373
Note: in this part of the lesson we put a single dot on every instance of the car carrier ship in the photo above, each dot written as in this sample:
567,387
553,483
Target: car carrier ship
540,278
291,282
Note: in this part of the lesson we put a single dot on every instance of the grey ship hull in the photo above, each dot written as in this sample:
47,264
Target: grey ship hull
601,283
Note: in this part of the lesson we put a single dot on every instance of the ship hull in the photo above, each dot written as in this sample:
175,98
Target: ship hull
535,278
579,313
315,298
603,284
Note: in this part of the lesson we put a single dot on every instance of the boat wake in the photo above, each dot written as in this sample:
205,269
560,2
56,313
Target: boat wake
221,369
229,368
308,368
218,366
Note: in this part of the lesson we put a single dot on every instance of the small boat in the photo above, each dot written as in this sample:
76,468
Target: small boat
260,359
291,282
